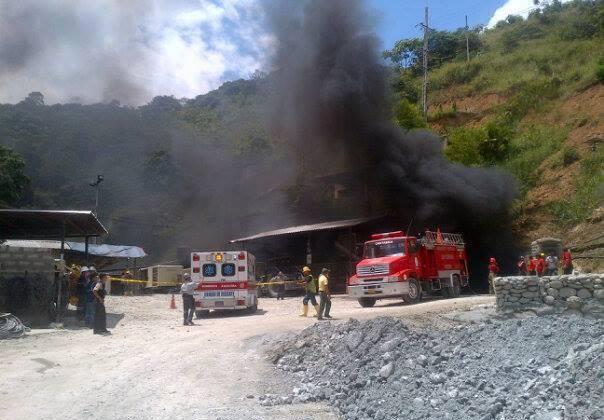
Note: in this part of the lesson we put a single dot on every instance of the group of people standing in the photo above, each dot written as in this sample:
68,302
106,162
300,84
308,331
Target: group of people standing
90,293
542,265
536,265
311,286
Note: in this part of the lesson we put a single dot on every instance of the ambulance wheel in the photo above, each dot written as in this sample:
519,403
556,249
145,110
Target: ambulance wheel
367,302
201,314
415,292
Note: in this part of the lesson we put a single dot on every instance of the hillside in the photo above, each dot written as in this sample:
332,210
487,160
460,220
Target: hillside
203,170
531,100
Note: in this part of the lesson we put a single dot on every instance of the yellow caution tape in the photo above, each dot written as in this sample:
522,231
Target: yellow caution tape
268,283
123,280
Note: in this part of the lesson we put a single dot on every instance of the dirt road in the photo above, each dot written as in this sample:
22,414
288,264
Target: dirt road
152,367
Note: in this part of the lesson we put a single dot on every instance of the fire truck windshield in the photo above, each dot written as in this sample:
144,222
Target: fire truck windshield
384,248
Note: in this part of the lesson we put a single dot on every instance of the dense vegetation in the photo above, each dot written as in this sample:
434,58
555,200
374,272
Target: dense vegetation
164,162
533,65
156,158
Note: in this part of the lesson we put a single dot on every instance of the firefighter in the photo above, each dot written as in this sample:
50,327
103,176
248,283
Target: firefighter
521,266
325,295
567,261
310,288
493,271
532,266
540,264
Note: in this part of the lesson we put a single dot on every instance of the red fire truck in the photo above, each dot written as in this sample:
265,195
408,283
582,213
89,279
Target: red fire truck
226,280
396,265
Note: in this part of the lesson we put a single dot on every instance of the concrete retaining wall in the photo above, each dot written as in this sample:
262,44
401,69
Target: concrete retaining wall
27,283
577,293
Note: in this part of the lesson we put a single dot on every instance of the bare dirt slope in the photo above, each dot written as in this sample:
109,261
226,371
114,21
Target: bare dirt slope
152,367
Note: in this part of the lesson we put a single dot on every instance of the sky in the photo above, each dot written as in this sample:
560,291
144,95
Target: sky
130,51
399,18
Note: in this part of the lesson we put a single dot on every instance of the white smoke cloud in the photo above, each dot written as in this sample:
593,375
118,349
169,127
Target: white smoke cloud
514,7
130,51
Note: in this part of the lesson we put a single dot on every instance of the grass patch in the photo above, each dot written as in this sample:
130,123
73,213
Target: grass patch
529,150
589,192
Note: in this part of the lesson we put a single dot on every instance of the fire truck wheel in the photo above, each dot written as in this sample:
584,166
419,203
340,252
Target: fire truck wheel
367,302
201,314
415,292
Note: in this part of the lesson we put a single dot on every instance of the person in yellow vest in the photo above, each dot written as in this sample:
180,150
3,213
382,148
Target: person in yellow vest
310,288
324,294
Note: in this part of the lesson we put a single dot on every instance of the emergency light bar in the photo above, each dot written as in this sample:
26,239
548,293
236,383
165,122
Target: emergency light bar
396,234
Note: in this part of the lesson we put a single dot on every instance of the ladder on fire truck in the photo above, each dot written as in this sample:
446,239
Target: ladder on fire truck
439,238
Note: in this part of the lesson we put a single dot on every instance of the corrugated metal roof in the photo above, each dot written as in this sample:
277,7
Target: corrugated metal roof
48,224
101,250
306,228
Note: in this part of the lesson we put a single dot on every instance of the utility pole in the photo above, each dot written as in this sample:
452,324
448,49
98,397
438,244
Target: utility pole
467,42
425,65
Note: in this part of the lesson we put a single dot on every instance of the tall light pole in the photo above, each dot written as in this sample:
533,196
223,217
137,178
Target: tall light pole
97,185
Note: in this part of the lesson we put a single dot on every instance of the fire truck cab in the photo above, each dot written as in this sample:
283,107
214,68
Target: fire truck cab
226,281
396,265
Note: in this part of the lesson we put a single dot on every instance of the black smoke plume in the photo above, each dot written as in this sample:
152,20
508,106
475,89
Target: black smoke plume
331,104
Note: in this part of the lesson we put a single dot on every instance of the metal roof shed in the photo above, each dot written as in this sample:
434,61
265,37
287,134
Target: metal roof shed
338,224
48,224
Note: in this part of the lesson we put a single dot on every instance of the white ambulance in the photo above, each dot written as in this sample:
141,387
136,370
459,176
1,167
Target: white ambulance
227,280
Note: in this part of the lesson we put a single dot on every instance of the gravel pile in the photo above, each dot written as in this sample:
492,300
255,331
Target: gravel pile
542,368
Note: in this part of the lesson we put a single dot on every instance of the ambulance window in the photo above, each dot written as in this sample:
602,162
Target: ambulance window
209,270
228,269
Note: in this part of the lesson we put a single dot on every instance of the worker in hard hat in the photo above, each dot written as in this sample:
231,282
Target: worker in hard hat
74,275
324,294
532,266
567,261
493,272
540,264
188,300
310,289
522,269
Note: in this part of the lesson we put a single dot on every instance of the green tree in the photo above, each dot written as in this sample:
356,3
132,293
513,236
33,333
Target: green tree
463,145
444,46
406,115
13,181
